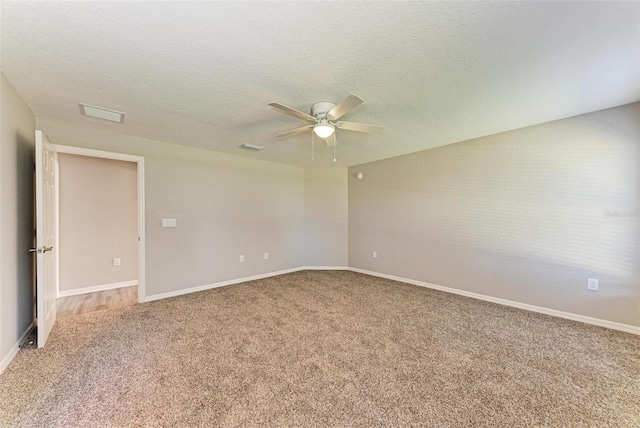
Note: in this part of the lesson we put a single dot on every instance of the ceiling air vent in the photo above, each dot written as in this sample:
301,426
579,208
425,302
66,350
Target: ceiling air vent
101,113
251,147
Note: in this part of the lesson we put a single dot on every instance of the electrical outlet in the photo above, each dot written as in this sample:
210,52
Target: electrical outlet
592,284
116,262
242,258
266,256
374,254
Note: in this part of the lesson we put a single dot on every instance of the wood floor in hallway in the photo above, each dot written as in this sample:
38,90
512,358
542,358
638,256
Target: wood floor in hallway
109,299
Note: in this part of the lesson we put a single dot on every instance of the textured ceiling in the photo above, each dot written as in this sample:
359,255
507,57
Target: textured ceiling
432,73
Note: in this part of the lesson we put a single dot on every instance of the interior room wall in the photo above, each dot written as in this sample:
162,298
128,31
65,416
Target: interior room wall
17,130
225,206
526,215
98,222
326,217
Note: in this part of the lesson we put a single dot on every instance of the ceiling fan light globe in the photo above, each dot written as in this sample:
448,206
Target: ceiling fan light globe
324,130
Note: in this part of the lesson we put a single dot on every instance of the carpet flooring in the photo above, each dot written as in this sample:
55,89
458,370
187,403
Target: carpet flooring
317,348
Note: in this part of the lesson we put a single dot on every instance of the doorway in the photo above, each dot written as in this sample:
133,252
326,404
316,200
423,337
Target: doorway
100,229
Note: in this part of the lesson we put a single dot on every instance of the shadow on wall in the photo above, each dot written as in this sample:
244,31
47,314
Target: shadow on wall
25,234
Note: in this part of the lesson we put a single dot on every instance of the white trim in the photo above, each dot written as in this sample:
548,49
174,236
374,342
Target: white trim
57,223
239,280
553,312
95,288
324,268
6,360
218,284
141,233
81,151
139,160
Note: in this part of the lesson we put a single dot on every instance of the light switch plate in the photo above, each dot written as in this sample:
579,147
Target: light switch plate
592,284
169,222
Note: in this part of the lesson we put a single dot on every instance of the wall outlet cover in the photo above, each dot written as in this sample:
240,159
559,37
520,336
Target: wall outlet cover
592,284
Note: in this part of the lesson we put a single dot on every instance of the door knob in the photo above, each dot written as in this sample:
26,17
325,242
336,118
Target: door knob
40,250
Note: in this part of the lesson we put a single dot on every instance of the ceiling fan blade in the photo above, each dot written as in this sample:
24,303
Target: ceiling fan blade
331,140
294,131
345,106
293,112
359,127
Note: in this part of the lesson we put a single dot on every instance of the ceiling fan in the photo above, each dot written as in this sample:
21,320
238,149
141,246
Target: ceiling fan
324,116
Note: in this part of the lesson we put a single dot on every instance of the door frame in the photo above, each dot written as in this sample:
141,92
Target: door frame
139,160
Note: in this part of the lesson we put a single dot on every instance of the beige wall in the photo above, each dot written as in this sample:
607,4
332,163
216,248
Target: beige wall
17,129
326,217
225,206
524,215
98,221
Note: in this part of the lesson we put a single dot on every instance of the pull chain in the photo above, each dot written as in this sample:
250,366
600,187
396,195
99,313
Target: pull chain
313,139
335,143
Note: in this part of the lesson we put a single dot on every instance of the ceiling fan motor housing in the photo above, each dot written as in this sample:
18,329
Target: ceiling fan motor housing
319,110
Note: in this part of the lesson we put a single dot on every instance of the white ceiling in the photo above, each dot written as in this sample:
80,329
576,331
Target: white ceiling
432,73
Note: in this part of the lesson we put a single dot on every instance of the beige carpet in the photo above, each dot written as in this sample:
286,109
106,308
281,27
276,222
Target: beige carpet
324,349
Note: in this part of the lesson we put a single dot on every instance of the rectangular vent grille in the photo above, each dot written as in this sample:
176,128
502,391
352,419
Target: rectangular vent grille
102,113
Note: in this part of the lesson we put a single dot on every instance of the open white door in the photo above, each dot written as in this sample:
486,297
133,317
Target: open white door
46,249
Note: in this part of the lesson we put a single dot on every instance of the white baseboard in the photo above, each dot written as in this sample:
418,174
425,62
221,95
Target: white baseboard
539,309
95,288
6,360
553,312
237,281
217,284
324,268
